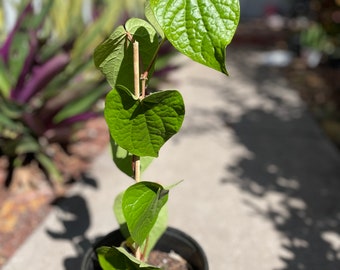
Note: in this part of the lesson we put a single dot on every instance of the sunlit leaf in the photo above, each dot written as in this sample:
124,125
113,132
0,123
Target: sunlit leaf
200,29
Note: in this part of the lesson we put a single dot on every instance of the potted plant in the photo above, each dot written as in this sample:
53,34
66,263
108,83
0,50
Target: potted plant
140,122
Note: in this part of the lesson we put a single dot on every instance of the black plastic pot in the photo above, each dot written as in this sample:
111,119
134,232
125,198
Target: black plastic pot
172,239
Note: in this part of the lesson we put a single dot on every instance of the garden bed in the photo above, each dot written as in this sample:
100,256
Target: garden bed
28,199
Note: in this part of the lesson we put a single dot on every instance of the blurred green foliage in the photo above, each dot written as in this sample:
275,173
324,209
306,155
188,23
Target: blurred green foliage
323,33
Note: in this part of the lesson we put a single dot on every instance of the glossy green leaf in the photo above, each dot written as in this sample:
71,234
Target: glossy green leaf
200,29
152,19
123,159
118,211
141,127
114,57
101,253
141,205
155,233
117,258
109,55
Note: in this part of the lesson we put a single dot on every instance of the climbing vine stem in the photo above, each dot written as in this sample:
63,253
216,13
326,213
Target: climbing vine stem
136,159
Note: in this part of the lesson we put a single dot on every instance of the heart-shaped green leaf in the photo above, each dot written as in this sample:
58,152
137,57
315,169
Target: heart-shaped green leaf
151,18
200,29
141,205
114,57
142,126
118,211
155,233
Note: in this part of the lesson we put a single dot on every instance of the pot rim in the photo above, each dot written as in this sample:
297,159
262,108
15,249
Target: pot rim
189,248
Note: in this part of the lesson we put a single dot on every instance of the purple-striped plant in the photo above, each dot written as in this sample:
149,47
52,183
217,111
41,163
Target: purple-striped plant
48,83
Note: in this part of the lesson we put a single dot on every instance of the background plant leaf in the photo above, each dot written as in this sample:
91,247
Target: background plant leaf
82,104
5,81
200,29
19,51
142,126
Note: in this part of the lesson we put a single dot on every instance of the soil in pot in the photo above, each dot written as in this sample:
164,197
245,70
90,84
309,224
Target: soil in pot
168,260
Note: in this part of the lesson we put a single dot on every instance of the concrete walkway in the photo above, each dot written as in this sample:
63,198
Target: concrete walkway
261,186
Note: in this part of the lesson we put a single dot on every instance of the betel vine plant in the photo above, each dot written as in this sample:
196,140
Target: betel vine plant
141,122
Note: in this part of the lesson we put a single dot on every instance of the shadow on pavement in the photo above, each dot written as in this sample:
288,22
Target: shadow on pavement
294,169
74,217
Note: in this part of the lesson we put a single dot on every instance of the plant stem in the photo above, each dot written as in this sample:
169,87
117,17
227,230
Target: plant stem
154,57
136,68
136,159
136,167
145,248
144,76
138,254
